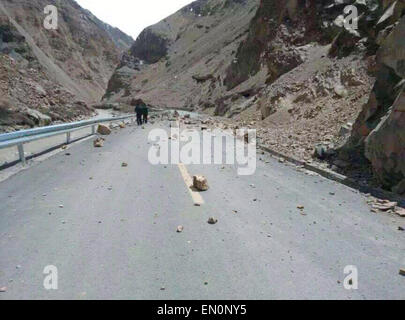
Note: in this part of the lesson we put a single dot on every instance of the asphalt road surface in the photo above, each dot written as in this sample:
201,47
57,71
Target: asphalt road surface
10,155
111,231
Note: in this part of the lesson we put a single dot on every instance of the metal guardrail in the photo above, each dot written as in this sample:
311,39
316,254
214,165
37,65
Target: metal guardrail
19,138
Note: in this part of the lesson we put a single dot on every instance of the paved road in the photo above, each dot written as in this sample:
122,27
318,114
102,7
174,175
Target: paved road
10,155
115,237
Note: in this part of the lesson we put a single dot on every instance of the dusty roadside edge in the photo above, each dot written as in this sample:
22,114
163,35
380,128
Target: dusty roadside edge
331,175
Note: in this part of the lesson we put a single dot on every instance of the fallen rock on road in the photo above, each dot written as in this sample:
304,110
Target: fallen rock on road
103,130
212,220
200,183
99,143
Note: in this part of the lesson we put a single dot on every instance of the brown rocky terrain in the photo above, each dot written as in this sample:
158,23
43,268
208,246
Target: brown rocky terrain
288,68
181,61
53,75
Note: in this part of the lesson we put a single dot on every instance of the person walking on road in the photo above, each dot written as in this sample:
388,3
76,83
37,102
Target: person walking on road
138,111
145,113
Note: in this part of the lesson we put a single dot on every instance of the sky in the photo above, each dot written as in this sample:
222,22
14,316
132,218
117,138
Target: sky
132,16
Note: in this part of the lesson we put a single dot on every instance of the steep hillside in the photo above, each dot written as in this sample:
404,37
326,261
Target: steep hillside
180,62
51,75
122,41
319,80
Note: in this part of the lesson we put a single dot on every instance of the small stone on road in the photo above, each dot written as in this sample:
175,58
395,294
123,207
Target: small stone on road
212,220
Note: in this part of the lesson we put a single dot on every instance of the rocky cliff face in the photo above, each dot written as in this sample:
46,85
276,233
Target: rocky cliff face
51,75
320,73
379,132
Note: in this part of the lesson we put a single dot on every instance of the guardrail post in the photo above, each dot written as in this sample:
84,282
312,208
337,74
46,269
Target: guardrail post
21,153
19,138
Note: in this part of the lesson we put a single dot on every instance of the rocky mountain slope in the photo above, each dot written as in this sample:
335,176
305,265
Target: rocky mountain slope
320,75
122,41
290,69
53,75
180,62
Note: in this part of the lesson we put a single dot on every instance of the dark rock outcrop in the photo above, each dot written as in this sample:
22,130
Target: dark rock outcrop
379,132
277,27
385,145
281,26
150,46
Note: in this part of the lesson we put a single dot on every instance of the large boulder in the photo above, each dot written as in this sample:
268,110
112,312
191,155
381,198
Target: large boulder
392,52
120,80
381,99
39,118
103,130
379,131
385,146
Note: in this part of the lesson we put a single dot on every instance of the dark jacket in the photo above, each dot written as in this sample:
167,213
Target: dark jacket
138,110
145,109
